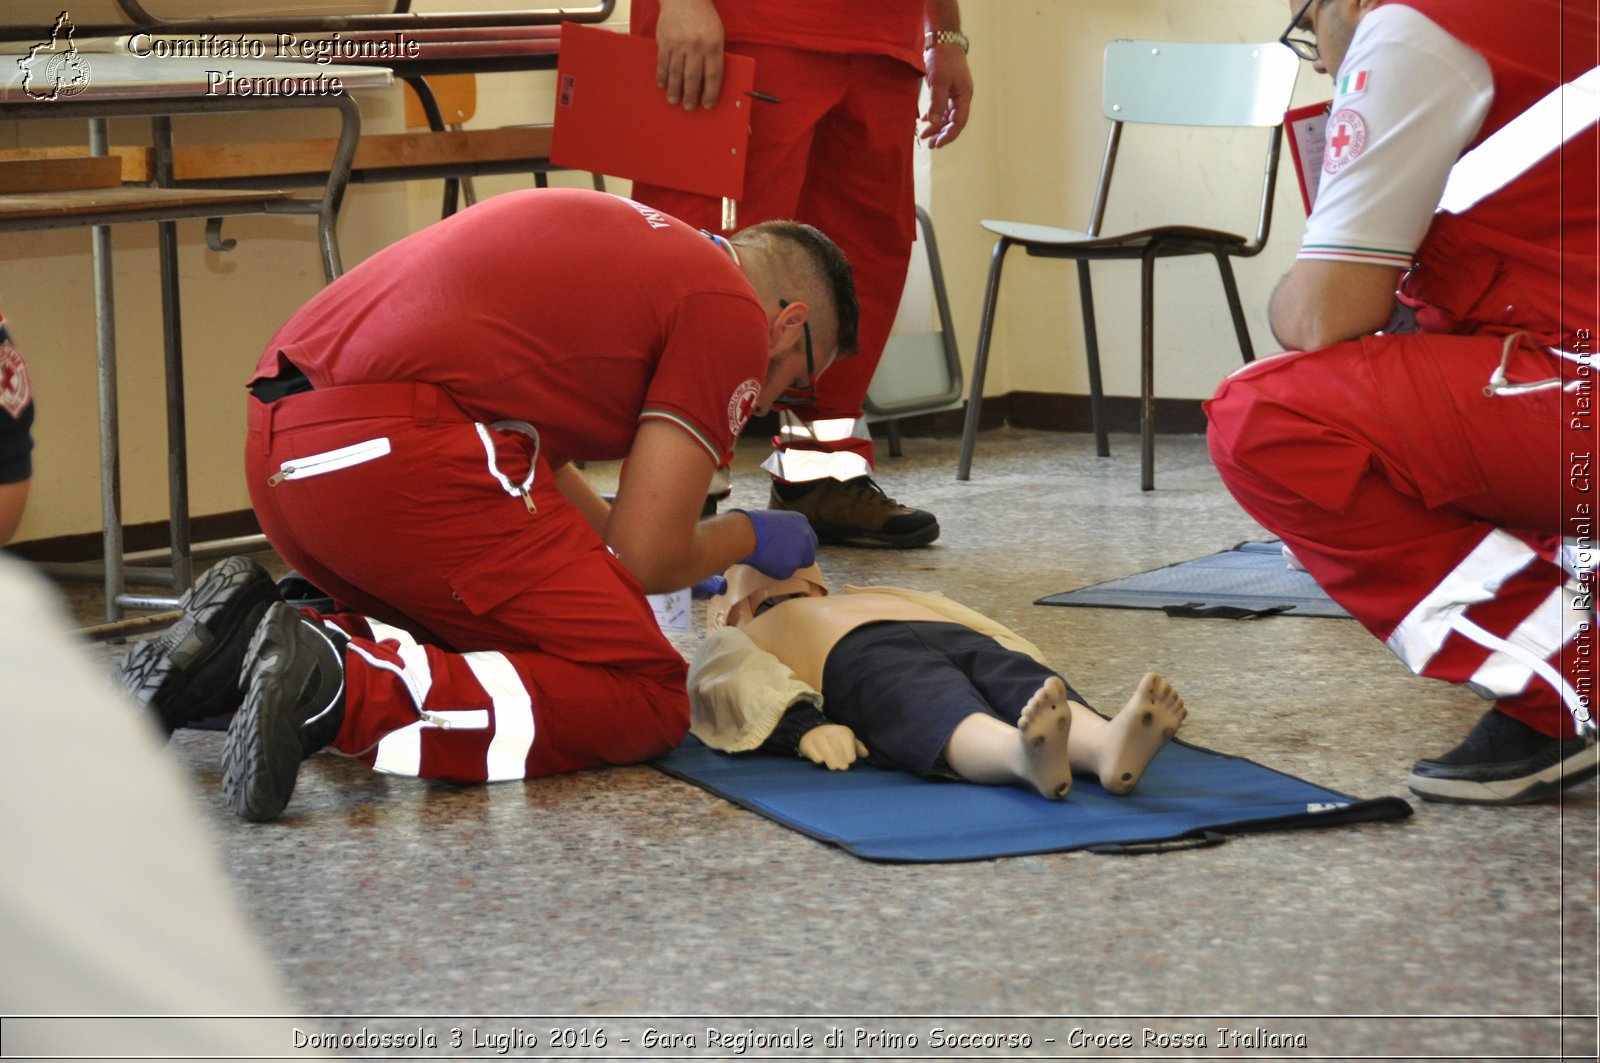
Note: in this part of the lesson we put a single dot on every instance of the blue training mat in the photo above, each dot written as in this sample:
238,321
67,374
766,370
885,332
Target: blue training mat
1250,580
1188,796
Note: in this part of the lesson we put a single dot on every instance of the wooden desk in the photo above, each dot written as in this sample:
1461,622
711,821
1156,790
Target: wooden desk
430,51
124,85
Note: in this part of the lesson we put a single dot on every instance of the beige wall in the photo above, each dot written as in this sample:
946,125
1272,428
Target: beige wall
1031,153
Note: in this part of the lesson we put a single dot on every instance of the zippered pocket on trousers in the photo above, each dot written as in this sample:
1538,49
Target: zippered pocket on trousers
330,461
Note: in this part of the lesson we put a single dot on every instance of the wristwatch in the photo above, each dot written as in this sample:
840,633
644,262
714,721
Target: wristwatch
955,37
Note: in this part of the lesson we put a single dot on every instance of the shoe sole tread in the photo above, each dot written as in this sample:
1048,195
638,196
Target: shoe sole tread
180,674
262,756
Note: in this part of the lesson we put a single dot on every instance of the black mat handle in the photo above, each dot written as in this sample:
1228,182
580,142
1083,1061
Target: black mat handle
1207,839
1202,611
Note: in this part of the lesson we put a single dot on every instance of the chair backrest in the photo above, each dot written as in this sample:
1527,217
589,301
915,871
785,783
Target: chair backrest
456,95
1205,84
1186,83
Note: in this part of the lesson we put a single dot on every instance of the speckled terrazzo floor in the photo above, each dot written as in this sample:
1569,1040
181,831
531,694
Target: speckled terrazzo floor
1459,933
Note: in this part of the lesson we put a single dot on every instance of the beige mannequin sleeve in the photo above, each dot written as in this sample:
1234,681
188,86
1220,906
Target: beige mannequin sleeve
738,692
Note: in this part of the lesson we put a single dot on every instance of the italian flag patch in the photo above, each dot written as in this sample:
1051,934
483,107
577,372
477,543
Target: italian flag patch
1353,84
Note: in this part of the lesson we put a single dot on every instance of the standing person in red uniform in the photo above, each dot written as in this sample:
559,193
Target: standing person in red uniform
412,434
1421,472
835,152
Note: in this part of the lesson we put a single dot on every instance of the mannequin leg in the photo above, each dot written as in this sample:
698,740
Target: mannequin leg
1055,736
1118,750
986,749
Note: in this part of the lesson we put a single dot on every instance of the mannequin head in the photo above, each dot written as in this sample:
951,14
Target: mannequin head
749,587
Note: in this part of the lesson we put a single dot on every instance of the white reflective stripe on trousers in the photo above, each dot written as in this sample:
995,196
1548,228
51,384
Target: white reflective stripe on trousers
513,716
799,466
1512,661
791,429
1520,144
1476,579
1507,672
400,752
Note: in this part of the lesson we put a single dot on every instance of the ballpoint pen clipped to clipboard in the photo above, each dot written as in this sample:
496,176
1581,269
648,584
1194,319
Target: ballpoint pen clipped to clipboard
612,118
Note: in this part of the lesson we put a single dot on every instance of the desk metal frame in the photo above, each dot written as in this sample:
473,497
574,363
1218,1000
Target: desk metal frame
402,19
161,109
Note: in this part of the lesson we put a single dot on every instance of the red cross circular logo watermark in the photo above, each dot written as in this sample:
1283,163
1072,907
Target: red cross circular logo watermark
15,389
742,404
1347,138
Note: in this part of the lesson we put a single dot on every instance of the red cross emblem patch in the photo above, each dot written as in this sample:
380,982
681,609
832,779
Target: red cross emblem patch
1347,138
15,390
743,403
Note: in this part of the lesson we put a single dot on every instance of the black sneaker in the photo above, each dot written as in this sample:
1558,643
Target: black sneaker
293,706
191,671
856,512
1503,761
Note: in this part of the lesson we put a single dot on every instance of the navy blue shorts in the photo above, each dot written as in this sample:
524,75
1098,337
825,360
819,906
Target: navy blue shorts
903,686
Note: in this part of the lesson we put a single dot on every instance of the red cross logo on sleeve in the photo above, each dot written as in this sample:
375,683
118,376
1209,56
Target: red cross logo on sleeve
15,389
1347,138
1341,139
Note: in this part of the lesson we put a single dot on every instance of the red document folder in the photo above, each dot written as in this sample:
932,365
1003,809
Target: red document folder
1305,128
611,118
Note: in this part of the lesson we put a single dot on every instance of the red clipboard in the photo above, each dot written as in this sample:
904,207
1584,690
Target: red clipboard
1307,130
611,118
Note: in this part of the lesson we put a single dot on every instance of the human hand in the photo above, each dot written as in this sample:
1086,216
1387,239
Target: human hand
689,52
949,94
833,745
784,541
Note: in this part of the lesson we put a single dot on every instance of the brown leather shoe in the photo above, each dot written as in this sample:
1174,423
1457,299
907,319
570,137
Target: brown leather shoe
856,512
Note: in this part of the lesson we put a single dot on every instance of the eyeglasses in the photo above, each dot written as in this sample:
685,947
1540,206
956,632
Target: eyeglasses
796,395
1304,47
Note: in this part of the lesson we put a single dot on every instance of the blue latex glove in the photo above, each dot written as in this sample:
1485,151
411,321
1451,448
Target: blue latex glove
784,541
709,587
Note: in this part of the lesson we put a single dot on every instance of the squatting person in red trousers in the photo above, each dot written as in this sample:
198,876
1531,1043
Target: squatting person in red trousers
1410,450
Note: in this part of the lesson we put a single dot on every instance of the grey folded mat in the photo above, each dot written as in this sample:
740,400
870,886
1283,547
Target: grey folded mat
1251,580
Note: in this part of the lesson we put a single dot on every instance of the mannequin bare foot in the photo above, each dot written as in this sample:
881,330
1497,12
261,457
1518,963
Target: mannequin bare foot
1045,725
1136,734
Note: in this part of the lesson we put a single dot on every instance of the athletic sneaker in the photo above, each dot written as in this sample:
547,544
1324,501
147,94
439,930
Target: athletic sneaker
1503,761
191,670
855,512
293,706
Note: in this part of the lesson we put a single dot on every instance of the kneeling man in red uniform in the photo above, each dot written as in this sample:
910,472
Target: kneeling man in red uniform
413,430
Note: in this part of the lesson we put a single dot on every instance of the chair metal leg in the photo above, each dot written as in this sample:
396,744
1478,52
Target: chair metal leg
1147,372
980,364
892,427
1241,328
1091,340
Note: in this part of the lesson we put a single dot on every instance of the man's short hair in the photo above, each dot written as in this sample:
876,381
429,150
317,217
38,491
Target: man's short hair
830,265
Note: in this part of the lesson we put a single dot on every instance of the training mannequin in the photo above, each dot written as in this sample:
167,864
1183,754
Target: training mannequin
908,680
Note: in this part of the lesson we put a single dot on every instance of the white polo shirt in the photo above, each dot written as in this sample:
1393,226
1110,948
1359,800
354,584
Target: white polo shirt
1408,100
